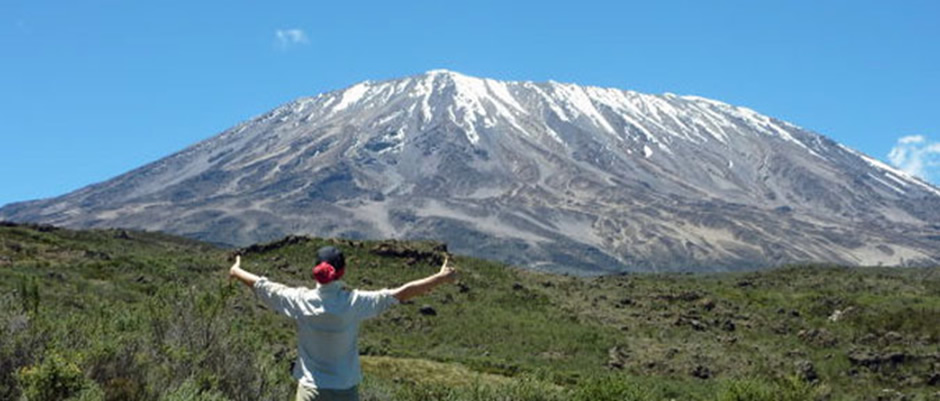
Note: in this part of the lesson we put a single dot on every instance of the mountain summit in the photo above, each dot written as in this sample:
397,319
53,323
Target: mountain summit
551,176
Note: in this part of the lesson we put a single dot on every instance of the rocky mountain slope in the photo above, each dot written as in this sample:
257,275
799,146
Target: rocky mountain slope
551,176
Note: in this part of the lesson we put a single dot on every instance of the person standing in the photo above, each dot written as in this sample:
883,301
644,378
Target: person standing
328,318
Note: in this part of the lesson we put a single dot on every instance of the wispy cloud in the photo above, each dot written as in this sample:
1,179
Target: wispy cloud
22,26
290,37
917,155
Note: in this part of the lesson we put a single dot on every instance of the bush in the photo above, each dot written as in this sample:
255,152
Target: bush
615,388
191,391
747,390
91,392
790,388
54,379
17,347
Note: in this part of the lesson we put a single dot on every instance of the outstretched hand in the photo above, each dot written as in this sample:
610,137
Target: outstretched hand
233,271
447,272
237,272
421,286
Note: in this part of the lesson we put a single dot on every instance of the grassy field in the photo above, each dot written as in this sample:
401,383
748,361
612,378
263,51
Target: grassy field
119,315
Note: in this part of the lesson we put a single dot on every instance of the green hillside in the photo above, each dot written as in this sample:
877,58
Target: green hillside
122,315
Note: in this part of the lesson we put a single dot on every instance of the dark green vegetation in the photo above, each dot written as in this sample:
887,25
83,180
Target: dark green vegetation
119,315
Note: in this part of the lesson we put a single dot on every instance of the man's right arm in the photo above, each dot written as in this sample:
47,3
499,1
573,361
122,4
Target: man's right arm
281,298
242,275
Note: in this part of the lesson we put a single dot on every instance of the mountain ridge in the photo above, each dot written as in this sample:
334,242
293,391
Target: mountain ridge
552,176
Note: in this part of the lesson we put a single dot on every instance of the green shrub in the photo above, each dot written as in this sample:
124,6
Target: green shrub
91,392
747,390
790,388
191,391
121,376
28,292
614,388
54,379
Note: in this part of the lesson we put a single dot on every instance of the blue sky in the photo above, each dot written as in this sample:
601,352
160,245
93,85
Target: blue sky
92,89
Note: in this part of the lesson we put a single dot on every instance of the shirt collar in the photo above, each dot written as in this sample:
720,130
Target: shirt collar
330,287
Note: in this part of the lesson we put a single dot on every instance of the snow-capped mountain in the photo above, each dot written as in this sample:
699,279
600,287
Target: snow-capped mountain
549,175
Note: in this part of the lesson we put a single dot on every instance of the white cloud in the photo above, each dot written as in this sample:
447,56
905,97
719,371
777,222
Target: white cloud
289,37
912,139
917,155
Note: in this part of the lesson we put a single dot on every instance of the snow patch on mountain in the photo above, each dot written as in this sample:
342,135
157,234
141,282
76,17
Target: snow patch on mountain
575,103
888,170
351,96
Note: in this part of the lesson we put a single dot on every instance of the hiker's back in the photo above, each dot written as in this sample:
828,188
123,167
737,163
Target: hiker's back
328,325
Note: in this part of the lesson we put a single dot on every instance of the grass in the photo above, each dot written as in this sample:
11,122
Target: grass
111,314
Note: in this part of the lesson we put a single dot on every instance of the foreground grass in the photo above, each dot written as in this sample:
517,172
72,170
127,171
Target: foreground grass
126,315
